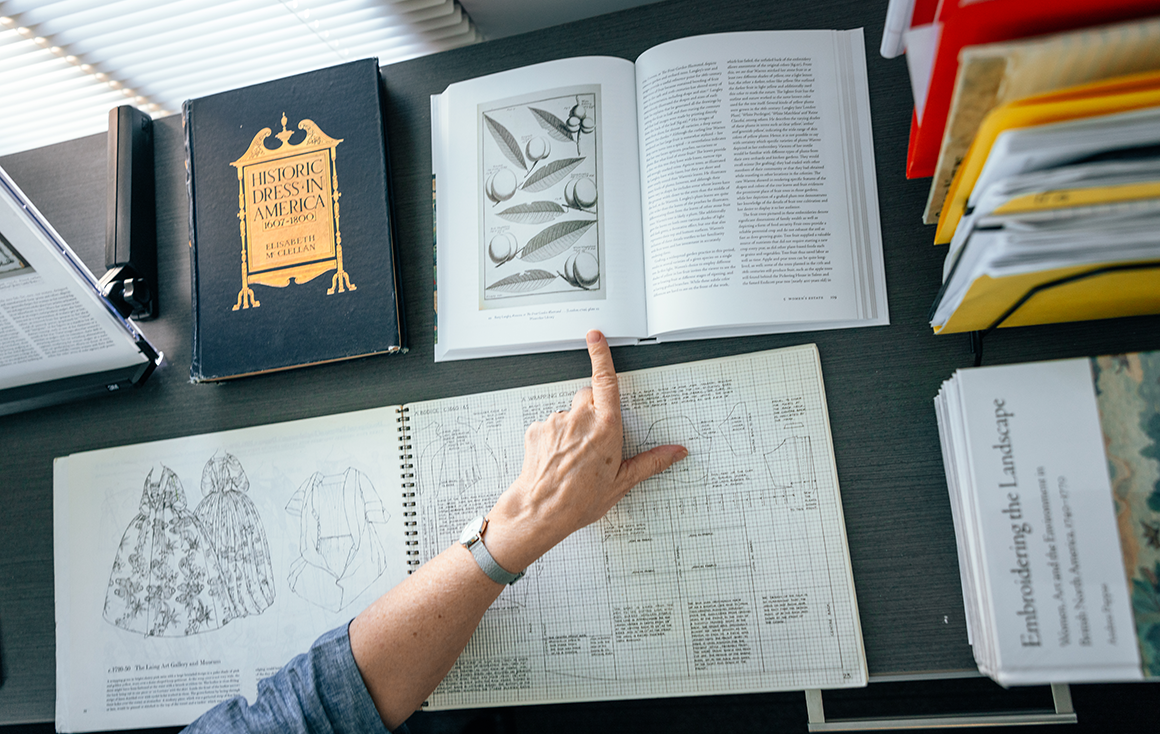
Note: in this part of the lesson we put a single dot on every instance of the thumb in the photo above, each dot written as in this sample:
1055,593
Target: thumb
650,463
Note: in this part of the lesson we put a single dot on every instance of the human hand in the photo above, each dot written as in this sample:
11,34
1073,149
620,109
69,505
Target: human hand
573,471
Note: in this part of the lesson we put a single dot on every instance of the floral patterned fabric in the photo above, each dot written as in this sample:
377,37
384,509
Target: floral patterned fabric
1128,395
166,581
232,524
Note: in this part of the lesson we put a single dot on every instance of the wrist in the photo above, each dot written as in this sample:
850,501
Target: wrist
514,537
472,538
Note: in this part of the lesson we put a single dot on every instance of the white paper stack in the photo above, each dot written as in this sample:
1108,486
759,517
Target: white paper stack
1051,593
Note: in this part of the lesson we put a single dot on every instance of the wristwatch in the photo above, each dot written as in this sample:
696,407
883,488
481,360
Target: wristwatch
472,539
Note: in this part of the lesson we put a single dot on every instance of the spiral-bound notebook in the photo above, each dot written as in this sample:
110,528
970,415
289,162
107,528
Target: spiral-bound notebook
188,569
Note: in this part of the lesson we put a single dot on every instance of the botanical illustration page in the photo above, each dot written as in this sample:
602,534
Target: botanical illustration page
538,217
540,220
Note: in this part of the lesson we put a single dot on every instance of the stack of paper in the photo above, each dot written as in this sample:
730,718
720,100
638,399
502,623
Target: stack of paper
1052,480
993,74
1052,215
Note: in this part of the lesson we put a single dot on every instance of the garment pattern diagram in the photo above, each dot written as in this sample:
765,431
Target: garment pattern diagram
464,472
540,229
697,522
341,550
733,435
459,461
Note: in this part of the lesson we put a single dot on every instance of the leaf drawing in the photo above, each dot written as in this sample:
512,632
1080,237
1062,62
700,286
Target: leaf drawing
529,280
506,142
554,240
554,125
550,174
536,212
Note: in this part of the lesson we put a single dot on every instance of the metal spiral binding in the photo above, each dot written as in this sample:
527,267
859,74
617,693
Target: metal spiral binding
407,477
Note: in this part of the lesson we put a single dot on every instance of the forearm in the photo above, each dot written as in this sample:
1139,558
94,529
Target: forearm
573,472
410,637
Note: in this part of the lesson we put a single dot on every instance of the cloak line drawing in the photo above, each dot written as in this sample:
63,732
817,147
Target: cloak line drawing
342,553
232,523
166,580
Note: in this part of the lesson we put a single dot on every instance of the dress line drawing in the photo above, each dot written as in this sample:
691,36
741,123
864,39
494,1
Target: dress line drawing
341,552
166,580
232,523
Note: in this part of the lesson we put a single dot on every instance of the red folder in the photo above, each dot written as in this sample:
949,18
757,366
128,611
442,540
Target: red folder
971,22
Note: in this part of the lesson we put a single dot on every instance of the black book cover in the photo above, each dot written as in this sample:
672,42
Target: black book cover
293,259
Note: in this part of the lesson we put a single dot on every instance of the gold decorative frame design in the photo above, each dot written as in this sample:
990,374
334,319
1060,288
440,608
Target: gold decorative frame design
310,244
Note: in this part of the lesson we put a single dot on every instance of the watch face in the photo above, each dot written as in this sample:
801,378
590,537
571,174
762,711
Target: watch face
472,531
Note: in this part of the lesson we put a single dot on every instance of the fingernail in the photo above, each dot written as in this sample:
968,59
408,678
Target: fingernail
594,336
682,454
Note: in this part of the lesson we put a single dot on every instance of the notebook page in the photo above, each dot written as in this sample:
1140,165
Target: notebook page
728,573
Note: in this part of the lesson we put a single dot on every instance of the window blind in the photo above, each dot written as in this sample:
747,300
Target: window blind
65,63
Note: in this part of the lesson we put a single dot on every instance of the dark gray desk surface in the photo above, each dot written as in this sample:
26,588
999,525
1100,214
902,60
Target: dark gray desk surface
880,381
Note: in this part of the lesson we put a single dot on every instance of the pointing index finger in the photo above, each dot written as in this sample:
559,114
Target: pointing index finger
605,391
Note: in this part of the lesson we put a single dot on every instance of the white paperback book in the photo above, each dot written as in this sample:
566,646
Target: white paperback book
721,185
190,568
1053,494
60,339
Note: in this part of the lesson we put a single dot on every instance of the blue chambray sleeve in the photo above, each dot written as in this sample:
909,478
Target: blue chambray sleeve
320,691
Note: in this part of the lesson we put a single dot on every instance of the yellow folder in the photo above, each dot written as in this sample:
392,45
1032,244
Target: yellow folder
1105,295
1120,94
1077,197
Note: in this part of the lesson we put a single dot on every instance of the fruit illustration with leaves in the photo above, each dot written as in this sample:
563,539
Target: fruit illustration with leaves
553,240
580,121
538,148
536,212
502,248
529,280
500,185
580,193
551,174
581,270
507,142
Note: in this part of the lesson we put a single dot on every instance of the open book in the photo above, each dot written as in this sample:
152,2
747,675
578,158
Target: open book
60,338
188,569
722,185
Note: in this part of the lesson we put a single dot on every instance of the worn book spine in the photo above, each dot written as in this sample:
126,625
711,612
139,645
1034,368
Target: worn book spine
186,123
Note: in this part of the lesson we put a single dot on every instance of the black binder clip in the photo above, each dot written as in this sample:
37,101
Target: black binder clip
130,284
977,336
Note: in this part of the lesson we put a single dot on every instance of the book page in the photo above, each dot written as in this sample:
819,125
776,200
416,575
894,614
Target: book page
728,573
758,182
52,323
188,569
537,215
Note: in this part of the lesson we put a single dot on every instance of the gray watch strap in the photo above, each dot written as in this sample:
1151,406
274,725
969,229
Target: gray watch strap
494,571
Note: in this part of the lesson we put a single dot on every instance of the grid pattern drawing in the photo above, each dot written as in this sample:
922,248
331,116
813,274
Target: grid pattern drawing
728,572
